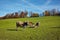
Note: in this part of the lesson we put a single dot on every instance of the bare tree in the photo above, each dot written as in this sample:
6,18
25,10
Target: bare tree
47,13
16,15
34,15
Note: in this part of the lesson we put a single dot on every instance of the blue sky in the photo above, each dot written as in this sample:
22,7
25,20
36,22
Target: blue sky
9,6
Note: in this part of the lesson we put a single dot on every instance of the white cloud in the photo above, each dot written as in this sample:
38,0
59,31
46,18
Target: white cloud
47,2
32,5
42,7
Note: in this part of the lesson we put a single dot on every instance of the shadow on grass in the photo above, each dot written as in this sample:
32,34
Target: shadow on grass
56,27
13,30
30,27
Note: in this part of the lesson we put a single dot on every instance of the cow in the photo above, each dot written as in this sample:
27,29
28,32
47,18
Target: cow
31,24
21,24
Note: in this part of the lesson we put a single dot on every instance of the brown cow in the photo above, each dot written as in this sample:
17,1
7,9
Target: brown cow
31,24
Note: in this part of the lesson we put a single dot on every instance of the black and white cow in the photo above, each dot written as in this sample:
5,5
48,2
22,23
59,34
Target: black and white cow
21,24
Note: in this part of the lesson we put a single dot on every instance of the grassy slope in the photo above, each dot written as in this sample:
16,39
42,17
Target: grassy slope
49,29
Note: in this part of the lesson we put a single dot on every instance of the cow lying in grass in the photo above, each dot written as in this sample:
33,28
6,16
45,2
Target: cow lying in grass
31,24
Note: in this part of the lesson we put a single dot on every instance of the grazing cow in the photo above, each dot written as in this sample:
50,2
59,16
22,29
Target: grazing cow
21,24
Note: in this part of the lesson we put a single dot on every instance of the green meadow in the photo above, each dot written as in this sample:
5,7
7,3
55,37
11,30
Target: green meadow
49,29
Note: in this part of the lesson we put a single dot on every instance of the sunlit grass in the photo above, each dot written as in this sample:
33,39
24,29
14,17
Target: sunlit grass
49,29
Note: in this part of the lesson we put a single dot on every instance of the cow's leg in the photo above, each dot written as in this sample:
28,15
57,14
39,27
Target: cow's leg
24,26
17,27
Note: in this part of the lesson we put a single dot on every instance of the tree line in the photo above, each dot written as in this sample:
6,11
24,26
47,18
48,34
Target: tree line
23,14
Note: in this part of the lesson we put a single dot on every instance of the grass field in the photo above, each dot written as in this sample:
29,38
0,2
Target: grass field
49,29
